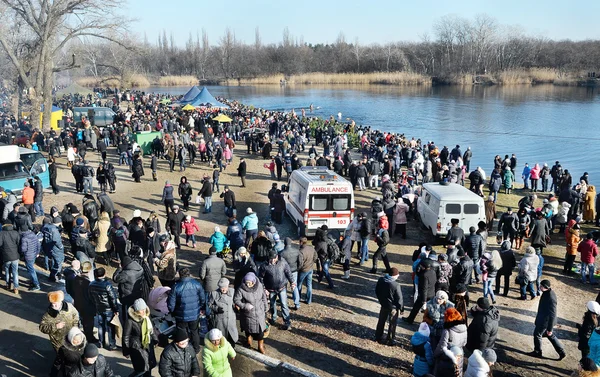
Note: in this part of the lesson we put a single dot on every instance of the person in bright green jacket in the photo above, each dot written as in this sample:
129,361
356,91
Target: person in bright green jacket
215,355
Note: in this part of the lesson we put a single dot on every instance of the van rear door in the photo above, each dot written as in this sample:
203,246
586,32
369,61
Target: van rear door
333,210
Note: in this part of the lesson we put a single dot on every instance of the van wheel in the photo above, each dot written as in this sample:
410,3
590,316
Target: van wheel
301,229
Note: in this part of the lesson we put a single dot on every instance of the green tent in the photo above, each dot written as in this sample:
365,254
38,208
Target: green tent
144,139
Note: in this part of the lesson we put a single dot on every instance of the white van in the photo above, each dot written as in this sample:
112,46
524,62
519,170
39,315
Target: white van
317,196
439,203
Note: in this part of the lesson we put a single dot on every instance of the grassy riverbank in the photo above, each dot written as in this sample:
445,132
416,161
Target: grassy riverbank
530,76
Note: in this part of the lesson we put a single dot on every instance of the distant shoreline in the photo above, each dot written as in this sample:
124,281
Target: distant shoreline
535,76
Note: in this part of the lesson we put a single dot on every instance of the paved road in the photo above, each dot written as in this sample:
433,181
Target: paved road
25,351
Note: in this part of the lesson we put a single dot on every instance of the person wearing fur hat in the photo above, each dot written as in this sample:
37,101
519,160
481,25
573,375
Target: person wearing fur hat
435,315
215,355
139,339
586,368
251,301
421,347
454,334
222,316
69,353
92,363
585,330
480,363
58,319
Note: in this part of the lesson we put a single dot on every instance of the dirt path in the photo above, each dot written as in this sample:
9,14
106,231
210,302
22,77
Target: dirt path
334,335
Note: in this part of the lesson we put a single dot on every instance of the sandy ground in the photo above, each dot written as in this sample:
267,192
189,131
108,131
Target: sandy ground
334,335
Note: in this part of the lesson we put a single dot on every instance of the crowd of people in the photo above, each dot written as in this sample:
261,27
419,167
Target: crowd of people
264,263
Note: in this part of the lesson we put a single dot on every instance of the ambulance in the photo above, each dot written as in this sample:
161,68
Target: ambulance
316,196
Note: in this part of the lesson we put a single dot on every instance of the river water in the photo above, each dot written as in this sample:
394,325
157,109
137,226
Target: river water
540,124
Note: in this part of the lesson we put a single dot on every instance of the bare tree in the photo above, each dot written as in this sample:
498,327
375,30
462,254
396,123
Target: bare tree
53,24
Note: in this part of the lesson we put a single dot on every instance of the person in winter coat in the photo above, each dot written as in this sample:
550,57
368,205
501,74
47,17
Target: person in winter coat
589,252
58,319
483,330
30,249
101,232
400,211
489,265
389,294
212,270
104,298
78,288
528,272
129,278
218,240
69,353
137,168
139,339
480,363
251,301
173,225
9,253
90,210
434,315
382,238
585,330
474,247
573,240
222,316
454,334
235,234
190,227
242,171
275,276
291,255
185,192
186,302
540,231
421,347
166,261
545,321
589,206
261,248
167,197
215,355
242,264
178,359
495,183
508,264
425,290
534,177
490,212
508,179
91,364
250,225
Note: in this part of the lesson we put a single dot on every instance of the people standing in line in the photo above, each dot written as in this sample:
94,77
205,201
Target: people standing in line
187,301
104,298
545,321
483,330
307,257
448,352
139,339
79,290
421,347
292,256
212,270
30,248
389,294
527,276
27,197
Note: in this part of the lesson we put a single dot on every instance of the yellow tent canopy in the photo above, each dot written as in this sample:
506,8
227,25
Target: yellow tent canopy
188,108
221,118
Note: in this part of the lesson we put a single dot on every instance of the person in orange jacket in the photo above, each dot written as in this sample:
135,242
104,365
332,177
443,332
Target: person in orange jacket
28,195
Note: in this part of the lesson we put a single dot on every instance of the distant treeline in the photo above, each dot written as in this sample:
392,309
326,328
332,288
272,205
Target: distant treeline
456,48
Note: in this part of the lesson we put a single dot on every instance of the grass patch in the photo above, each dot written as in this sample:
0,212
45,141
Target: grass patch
177,81
133,81
375,78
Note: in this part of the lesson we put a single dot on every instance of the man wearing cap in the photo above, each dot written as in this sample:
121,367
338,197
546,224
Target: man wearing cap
483,330
92,364
275,276
545,321
173,225
79,291
58,319
179,358
455,232
22,220
186,302
389,294
228,201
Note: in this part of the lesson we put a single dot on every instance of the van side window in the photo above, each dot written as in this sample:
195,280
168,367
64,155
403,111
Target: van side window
453,208
427,198
471,209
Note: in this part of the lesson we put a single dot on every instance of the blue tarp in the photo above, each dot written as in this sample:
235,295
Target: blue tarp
190,95
205,97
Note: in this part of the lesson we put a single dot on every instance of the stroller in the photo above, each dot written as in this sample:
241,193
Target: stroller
162,321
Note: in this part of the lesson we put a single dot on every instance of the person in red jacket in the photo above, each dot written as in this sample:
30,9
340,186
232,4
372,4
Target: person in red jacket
589,251
190,227
28,195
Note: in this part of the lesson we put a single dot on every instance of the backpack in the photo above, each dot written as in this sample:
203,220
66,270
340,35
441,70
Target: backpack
333,250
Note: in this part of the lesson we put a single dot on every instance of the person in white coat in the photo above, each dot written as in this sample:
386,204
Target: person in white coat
480,363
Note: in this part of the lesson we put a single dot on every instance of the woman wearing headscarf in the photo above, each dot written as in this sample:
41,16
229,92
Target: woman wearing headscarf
222,316
69,353
434,315
454,334
421,347
242,264
215,355
139,339
251,301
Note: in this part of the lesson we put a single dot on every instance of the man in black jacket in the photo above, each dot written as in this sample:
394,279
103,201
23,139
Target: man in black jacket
92,363
79,291
228,201
242,171
129,278
389,294
382,238
9,251
545,321
103,295
291,254
455,232
473,246
173,224
425,290
179,357
461,272
275,276
508,225
483,330
508,264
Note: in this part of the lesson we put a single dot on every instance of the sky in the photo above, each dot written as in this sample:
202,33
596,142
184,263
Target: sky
379,21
